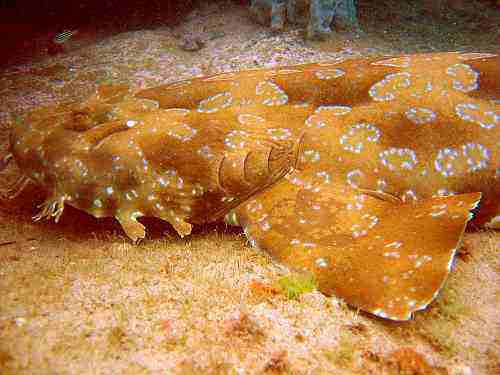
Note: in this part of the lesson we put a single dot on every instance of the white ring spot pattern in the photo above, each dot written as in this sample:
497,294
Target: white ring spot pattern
420,116
472,112
465,78
395,158
215,103
357,135
387,89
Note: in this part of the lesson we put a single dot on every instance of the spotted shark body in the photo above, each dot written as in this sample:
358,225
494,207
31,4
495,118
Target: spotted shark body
363,172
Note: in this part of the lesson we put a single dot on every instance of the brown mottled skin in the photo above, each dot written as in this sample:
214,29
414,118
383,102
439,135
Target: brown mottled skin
361,172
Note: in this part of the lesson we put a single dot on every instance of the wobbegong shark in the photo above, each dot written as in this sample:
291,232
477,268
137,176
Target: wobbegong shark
363,173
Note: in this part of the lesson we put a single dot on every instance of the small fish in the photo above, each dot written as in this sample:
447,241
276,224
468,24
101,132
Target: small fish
363,173
64,36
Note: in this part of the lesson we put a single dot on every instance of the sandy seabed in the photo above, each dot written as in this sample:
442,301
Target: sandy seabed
78,297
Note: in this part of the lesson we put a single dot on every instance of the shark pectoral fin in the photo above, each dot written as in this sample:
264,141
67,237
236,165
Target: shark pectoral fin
390,259
132,228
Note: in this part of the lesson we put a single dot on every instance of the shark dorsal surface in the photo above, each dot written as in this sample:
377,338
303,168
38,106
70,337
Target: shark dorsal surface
363,173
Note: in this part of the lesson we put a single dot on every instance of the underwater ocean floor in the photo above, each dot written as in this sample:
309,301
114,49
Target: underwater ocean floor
78,297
